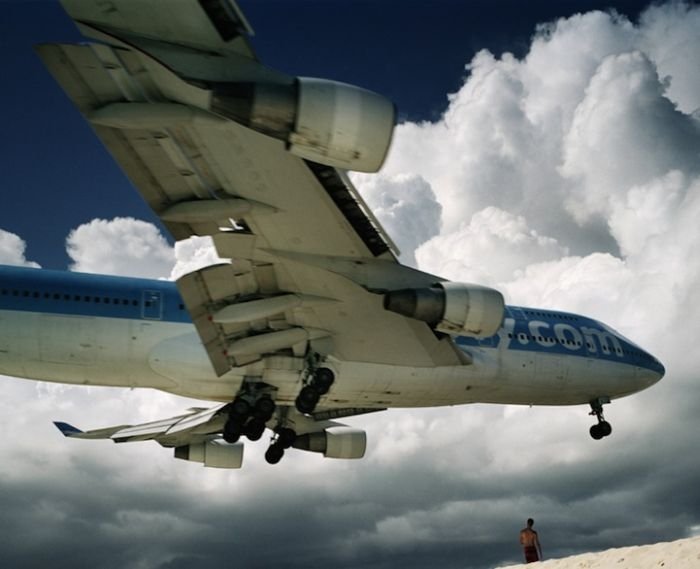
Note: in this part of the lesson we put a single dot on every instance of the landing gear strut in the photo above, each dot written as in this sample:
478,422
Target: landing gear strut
602,428
320,384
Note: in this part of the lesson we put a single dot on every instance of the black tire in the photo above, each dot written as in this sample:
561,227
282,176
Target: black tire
605,428
254,429
240,408
323,379
274,454
264,408
286,437
307,399
596,432
232,431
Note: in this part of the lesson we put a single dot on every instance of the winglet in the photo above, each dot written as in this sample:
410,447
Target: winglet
66,429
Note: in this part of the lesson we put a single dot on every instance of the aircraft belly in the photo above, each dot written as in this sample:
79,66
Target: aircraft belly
555,379
18,342
372,385
181,358
77,349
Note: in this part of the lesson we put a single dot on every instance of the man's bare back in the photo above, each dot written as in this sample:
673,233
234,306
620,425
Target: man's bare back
530,543
528,537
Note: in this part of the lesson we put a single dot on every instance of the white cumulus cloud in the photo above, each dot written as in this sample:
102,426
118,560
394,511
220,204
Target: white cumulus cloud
12,250
406,207
121,246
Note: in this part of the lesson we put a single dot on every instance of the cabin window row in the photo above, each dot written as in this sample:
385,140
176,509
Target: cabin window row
579,344
71,297
551,315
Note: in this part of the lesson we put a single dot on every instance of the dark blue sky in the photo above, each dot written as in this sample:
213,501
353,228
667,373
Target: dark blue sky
56,175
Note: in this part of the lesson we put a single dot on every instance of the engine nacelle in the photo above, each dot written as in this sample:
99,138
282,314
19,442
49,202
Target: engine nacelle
324,121
335,442
214,454
452,308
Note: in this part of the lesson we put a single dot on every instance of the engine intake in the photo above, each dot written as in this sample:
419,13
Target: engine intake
324,121
334,442
213,453
452,308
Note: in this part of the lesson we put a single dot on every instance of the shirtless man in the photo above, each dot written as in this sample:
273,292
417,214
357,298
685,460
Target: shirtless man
530,543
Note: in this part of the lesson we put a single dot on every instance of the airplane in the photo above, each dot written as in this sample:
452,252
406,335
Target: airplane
309,317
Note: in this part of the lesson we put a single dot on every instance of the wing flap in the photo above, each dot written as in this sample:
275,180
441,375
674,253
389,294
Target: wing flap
212,288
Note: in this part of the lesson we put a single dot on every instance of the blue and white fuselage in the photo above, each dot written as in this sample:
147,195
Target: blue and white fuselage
101,330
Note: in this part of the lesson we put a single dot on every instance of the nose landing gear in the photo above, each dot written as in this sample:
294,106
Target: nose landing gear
602,428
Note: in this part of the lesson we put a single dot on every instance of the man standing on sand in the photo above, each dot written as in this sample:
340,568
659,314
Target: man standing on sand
530,543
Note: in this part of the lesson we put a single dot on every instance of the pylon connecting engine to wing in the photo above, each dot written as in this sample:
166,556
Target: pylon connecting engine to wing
324,121
452,308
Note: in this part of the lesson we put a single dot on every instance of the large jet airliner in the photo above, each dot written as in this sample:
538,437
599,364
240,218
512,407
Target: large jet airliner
313,319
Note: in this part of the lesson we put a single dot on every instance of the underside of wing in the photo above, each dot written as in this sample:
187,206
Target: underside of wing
309,311
215,155
198,436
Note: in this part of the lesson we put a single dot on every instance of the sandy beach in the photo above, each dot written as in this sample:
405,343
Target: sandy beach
681,554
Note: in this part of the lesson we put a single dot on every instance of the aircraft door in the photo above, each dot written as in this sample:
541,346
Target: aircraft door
152,305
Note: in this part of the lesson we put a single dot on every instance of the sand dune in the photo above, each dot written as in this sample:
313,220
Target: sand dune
681,554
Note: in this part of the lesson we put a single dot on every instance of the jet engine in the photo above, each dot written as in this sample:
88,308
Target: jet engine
334,442
324,121
213,453
452,308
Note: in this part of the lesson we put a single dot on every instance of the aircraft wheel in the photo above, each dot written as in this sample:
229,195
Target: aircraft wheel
232,431
307,399
274,454
264,408
255,429
323,379
601,430
286,437
240,408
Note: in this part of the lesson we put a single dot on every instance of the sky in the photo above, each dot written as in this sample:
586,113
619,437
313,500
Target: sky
553,153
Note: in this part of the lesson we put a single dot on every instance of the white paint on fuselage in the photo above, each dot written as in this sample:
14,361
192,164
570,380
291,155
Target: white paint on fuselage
168,356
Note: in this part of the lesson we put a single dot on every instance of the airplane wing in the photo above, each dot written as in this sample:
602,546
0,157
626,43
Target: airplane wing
210,139
195,426
197,436
194,436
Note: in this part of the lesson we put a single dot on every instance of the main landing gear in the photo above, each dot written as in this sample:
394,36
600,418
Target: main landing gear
602,428
320,384
248,418
284,439
253,408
